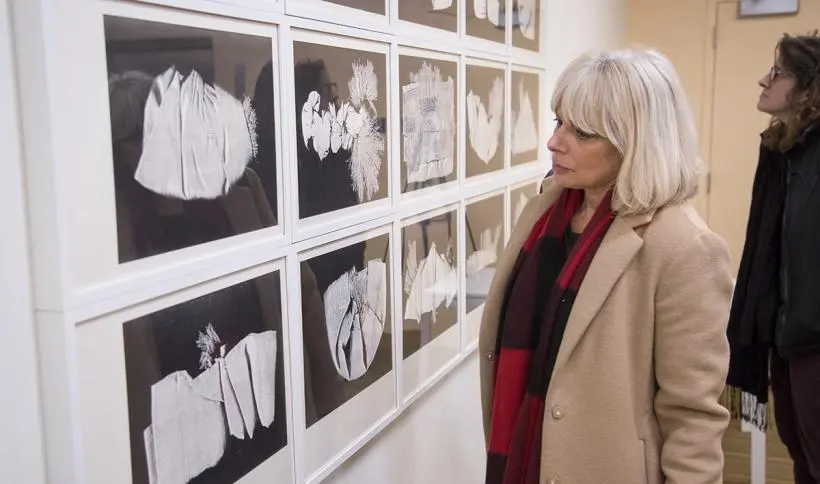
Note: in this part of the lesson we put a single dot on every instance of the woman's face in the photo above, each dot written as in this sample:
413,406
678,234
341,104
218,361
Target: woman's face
582,161
777,88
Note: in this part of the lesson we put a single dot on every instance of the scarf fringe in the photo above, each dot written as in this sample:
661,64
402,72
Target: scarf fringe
746,408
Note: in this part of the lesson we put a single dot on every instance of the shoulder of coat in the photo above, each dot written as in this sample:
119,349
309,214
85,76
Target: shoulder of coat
675,226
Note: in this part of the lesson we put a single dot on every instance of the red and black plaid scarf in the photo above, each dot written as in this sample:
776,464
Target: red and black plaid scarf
545,280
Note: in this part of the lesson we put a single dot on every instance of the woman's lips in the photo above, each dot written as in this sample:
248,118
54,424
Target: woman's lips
560,168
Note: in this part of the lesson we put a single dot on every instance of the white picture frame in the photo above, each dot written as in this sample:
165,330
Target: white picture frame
104,392
325,221
760,8
433,348
483,244
327,440
96,279
340,12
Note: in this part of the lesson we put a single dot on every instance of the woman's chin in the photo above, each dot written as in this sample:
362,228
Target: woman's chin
564,180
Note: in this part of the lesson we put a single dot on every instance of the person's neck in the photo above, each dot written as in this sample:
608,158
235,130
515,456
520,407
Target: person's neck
592,198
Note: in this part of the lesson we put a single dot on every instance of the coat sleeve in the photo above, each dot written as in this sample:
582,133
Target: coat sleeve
692,360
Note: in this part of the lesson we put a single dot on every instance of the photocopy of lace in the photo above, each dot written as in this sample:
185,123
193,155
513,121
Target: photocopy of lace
429,283
192,417
484,121
526,18
487,253
428,124
197,138
352,126
355,311
524,134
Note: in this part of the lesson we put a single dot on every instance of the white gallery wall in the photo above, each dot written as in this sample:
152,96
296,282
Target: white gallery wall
81,292
21,453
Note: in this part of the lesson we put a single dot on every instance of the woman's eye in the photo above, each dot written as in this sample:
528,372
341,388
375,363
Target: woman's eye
583,135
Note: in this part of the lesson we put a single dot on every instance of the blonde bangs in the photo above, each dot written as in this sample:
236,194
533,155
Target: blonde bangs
583,97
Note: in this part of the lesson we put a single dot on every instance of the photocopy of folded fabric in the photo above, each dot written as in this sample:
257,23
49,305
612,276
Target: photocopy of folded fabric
524,135
355,311
484,122
487,253
526,18
519,207
428,283
187,433
192,417
197,138
428,124
489,9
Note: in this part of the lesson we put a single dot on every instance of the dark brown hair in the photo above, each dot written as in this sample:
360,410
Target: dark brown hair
799,57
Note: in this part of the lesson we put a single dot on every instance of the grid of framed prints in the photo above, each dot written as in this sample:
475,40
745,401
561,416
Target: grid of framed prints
289,216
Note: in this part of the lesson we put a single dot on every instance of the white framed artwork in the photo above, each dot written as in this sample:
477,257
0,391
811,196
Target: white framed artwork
366,14
442,15
431,296
758,8
520,194
484,240
346,321
485,125
526,127
486,20
193,387
430,115
248,9
148,202
342,137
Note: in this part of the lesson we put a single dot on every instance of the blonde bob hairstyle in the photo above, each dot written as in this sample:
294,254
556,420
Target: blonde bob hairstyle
634,100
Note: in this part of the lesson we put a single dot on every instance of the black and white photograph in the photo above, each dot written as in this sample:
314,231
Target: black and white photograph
519,197
206,387
378,7
341,130
429,279
192,127
526,24
439,14
484,224
524,128
428,122
486,19
345,323
485,119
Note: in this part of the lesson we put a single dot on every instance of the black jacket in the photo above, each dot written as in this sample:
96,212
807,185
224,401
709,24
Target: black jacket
797,329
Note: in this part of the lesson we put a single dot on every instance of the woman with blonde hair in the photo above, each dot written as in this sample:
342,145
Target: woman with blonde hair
774,328
603,341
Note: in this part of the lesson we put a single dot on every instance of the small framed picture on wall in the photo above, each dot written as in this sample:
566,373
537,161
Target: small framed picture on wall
758,8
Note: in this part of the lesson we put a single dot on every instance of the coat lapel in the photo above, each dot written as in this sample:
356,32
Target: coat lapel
492,308
620,245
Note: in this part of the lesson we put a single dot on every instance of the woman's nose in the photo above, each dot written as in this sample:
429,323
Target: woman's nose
554,143
763,82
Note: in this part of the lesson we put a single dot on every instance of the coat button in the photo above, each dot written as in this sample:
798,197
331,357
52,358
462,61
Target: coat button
490,355
557,412
554,480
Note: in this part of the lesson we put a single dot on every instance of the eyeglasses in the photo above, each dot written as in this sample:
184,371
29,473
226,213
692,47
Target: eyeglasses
775,72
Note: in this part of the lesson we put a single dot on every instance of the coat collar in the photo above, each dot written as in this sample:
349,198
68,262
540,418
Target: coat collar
620,245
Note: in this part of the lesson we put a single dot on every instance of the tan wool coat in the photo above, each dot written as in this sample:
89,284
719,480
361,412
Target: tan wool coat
634,393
